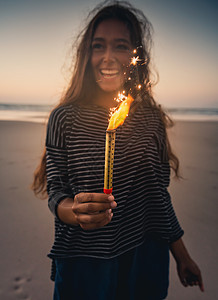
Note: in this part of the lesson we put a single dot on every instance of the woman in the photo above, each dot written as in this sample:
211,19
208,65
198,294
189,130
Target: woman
112,246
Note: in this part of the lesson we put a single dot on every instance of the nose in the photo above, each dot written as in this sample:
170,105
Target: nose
108,55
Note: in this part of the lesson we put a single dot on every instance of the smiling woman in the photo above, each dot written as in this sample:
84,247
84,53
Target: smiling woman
112,246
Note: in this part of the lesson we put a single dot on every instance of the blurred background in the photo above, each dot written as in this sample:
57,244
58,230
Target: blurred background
36,40
35,55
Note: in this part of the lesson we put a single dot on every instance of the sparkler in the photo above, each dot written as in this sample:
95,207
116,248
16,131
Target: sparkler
117,118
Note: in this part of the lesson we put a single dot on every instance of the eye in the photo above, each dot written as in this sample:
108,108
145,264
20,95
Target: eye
97,46
122,47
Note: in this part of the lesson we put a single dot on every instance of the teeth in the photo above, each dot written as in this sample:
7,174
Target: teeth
109,72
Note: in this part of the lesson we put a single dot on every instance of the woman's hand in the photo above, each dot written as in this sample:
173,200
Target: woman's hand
89,210
188,271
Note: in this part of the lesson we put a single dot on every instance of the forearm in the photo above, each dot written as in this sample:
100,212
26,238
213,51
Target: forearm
179,251
187,269
58,187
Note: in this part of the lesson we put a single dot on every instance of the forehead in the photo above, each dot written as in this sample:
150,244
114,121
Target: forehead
112,29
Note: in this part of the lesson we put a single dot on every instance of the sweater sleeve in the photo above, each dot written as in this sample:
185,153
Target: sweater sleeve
176,230
56,160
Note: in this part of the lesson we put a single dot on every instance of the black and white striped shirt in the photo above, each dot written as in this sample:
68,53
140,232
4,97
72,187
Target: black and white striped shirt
75,155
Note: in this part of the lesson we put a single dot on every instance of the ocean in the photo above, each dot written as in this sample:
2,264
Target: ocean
40,113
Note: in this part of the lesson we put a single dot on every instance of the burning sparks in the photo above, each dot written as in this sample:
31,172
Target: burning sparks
134,60
120,98
119,116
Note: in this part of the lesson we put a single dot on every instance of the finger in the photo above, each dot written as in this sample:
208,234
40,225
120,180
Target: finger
93,197
183,281
189,280
91,226
92,207
200,282
182,278
201,286
94,218
197,281
94,226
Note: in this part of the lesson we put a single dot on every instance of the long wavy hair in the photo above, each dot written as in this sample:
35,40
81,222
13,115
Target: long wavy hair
82,86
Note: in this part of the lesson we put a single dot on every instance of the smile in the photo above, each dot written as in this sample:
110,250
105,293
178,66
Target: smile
107,73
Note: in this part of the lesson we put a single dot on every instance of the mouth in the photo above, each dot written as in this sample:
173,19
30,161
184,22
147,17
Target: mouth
108,73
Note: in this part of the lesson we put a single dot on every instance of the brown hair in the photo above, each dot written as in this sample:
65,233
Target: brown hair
82,85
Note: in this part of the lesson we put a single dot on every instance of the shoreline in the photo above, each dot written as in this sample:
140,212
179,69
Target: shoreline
40,113
44,118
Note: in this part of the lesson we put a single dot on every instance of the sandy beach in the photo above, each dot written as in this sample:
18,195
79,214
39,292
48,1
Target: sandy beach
27,224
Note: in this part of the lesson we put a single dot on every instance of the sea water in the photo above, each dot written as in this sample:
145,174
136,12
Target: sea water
24,112
40,113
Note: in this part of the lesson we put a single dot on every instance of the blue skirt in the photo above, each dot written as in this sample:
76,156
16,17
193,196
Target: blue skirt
139,274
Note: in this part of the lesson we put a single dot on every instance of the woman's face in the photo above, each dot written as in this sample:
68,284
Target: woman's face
111,53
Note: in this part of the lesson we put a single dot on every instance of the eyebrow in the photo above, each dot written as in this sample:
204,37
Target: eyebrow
99,39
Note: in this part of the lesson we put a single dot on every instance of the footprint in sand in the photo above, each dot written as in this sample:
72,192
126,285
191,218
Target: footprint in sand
19,287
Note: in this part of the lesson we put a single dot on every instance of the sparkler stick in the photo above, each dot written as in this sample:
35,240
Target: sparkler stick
109,160
116,120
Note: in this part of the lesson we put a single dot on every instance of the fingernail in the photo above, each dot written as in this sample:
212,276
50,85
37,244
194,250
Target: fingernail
113,204
111,198
109,211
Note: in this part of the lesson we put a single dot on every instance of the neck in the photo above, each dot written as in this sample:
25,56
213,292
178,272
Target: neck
105,99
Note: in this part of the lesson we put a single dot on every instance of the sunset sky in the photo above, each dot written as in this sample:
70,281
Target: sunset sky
36,37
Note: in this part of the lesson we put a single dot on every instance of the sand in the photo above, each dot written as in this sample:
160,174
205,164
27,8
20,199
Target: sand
27,224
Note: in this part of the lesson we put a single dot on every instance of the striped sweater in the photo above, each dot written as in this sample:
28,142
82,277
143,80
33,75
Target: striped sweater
75,149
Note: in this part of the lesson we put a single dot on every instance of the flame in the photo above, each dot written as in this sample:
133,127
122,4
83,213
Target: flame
119,116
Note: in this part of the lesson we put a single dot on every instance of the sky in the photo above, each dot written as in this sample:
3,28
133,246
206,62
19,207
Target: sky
36,39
